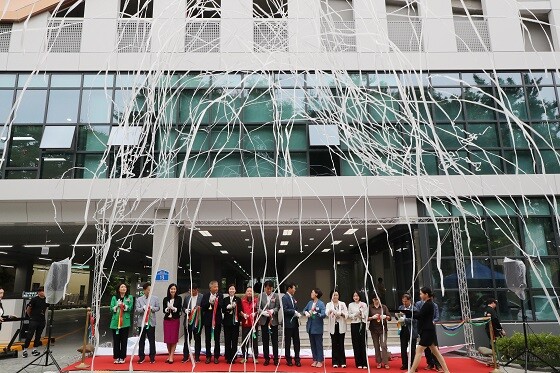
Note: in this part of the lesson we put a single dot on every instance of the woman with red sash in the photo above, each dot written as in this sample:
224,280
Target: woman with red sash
249,327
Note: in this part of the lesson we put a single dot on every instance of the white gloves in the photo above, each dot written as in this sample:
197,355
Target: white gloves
229,307
307,314
115,308
375,317
265,313
144,307
402,319
298,315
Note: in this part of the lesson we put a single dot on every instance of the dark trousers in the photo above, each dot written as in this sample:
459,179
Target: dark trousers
405,342
208,340
430,358
291,334
119,343
36,328
231,335
151,334
247,339
359,342
269,332
338,352
189,335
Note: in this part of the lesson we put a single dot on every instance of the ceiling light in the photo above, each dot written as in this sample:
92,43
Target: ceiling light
351,245
288,232
43,245
6,246
124,249
6,266
23,138
306,245
363,238
281,251
246,239
250,247
50,260
224,251
216,244
3,253
205,233
311,239
284,243
149,257
244,230
351,231
342,250
325,250
379,228
54,159
121,271
86,244
317,229
336,242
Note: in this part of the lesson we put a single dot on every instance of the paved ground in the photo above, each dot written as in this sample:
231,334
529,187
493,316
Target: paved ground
68,330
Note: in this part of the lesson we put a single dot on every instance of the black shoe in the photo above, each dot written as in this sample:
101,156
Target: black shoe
141,360
403,367
24,354
429,367
197,359
216,360
298,363
35,353
208,360
276,362
266,362
152,361
290,364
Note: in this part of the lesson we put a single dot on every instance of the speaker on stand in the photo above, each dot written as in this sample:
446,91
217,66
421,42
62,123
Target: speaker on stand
515,273
55,288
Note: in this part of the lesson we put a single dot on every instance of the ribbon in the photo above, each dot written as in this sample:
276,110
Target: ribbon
194,319
147,318
92,325
121,317
235,319
214,316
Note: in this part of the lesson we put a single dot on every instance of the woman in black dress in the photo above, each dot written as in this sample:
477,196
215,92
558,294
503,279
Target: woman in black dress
427,330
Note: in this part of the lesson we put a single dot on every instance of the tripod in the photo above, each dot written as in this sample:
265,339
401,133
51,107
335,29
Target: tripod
47,353
526,351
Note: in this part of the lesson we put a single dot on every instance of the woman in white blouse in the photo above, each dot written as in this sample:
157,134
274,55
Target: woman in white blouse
357,313
337,314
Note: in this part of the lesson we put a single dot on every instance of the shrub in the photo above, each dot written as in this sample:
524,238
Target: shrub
546,346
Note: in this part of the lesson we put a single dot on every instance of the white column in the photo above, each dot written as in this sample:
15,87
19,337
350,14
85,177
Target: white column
503,25
371,25
438,27
304,26
554,19
165,257
237,26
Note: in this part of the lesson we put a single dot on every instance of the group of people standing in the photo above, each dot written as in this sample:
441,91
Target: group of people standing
210,312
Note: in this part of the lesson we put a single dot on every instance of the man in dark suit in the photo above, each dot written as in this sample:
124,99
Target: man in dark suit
269,307
211,306
193,323
291,325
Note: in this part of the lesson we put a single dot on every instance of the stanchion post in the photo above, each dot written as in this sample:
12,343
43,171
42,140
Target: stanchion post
83,365
494,357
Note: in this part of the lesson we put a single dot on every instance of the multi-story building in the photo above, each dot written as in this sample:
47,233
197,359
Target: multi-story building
327,142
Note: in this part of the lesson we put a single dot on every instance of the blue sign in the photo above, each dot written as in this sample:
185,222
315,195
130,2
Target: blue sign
162,275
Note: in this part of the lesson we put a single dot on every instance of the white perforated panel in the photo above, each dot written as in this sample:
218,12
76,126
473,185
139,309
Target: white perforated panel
64,35
338,36
406,35
5,36
133,35
467,38
203,36
270,36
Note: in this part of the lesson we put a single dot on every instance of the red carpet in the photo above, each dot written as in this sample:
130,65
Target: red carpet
105,363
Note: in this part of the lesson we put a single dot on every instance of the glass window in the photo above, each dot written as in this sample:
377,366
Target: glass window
537,78
323,135
467,207
508,79
541,308
547,134
293,137
384,105
226,165
382,80
479,104
451,135
538,237
259,164
428,166
514,137
542,103
33,80
101,80
31,108
290,103
193,81
445,237
130,80
194,107
128,136
550,161
63,106
263,81
21,174
197,166
90,166
6,99
293,164
228,107
445,79
291,80
127,101
66,80
321,103
24,147
500,207
519,162
476,79
447,104
225,138
200,140
58,137
354,106
504,237
93,138
478,240
509,305
352,165
534,207
486,162
261,138
7,80
485,135
166,141
57,166
513,102
321,80
258,107
96,106
227,80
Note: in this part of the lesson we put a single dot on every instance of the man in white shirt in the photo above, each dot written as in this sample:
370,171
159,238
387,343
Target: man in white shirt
145,312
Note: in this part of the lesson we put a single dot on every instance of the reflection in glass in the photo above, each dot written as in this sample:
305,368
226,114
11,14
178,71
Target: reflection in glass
194,107
57,166
6,98
504,237
447,104
96,106
66,80
63,106
226,165
31,108
93,138
24,146
89,166
479,103
259,164
542,103
258,107
259,139
538,237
